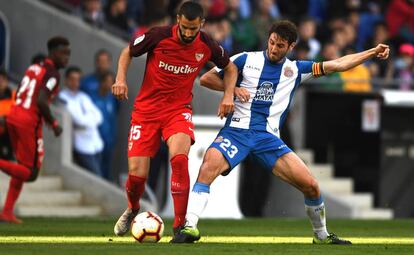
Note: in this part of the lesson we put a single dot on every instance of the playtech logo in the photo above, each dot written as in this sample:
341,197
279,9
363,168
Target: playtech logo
177,69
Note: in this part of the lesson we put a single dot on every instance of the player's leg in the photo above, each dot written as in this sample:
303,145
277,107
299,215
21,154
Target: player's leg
179,147
214,163
138,168
15,188
290,168
28,145
143,143
228,150
19,143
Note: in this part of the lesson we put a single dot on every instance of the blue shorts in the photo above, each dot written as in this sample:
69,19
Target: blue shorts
236,143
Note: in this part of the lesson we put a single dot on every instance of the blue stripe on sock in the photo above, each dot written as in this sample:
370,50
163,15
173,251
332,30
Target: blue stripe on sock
313,201
201,187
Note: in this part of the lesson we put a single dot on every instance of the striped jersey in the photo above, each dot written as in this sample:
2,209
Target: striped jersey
271,86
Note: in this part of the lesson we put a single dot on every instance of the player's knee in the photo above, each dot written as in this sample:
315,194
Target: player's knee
33,176
209,171
312,189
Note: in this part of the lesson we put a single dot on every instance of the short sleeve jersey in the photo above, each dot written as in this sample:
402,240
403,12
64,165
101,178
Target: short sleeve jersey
171,68
271,86
38,76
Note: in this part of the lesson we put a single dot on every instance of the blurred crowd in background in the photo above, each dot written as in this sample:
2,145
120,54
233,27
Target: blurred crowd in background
327,29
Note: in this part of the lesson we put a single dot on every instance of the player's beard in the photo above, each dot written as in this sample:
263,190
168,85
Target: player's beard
186,39
275,58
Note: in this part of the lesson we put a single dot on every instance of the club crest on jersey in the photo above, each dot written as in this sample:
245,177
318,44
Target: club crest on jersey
199,56
265,92
288,72
219,139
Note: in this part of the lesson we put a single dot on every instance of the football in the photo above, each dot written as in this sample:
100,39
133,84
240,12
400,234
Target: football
147,227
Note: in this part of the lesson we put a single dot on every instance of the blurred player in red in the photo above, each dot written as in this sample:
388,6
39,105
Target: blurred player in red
176,54
24,124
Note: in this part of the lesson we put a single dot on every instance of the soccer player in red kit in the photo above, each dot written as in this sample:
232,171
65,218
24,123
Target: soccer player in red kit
176,54
24,124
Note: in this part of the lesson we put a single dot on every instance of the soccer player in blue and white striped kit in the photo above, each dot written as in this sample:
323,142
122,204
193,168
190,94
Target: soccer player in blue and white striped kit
266,84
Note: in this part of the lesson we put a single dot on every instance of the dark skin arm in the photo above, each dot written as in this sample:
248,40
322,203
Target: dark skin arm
43,105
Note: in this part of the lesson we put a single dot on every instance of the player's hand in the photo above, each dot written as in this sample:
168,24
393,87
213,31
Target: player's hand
382,51
57,130
120,90
242,94
226,106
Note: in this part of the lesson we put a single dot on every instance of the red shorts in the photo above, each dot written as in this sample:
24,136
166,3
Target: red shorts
145,135
27,143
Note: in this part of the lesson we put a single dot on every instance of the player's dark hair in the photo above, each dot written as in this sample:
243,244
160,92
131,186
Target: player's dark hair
285,29
102,52
56,42
191,10
38,58
72,69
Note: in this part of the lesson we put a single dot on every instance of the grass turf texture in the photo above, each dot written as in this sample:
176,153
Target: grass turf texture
252,236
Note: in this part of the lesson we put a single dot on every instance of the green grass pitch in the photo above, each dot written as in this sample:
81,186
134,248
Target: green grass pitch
251,236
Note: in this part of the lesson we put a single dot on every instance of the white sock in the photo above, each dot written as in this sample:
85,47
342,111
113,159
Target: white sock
197,202
315,209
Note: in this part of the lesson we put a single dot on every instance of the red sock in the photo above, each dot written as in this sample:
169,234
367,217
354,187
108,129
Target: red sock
180,186
15,187
134,187
15,170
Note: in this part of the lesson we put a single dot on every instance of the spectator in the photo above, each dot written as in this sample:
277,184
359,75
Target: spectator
357,79
402,68
262,21
7,96
115,14
103,64
381,35
400,19
158,18
301,50
86,118
219,28
307,32
243,30
91,12
108,106
333,81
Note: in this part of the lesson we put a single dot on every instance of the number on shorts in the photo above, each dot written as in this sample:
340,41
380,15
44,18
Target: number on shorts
227,147
135,133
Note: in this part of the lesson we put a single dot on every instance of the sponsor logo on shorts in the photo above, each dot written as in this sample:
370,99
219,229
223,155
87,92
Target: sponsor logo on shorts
177,69
187,116
130,145
219,139
235,119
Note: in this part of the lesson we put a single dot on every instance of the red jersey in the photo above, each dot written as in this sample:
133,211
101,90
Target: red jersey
38,76
171,68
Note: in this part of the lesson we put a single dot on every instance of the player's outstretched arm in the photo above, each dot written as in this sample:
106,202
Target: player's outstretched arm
347,62
120,87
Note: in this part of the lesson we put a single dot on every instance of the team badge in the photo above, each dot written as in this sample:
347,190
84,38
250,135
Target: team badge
288,72
219,139
199,56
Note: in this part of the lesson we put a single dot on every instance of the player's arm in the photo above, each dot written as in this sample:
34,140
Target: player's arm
229,83
120,87
43,106
213,80
349,61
